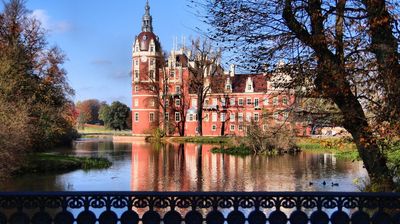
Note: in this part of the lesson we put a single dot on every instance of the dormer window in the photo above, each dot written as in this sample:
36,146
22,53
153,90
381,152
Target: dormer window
137,49
228,87
151,48
249,85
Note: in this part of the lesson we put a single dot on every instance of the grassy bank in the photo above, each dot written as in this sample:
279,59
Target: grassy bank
343,148
202,139
52,163
101,130
240,150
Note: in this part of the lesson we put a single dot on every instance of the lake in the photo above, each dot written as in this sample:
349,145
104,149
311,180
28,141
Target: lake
141,166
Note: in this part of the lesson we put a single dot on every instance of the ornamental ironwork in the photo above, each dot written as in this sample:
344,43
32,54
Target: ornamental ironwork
199,207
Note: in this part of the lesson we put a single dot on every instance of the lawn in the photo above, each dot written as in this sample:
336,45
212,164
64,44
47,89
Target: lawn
91,129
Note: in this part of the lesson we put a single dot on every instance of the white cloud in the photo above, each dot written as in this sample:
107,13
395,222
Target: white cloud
48,24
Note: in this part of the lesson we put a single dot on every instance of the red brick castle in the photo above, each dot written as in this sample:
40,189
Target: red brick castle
162,98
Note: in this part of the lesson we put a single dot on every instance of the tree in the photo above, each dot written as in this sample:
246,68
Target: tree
89,110
119,114
31,76
344,50
202,67
104,114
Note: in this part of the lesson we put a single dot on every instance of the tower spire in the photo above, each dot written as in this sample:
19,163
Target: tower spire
147,23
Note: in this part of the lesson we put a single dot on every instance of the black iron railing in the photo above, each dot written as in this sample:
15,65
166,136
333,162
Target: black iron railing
199,207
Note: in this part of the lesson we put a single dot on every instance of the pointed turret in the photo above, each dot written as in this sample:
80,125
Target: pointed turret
147,22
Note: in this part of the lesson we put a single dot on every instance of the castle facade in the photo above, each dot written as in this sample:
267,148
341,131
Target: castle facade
163,97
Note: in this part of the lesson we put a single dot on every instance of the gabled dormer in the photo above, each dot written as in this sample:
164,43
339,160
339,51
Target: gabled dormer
249,85
228,85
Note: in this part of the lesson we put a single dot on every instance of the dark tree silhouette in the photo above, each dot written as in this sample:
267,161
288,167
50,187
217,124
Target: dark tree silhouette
345,51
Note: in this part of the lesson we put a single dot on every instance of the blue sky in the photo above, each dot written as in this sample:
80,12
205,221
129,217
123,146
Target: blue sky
97,35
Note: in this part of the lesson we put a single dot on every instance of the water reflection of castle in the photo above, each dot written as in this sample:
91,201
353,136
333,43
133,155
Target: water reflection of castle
192,167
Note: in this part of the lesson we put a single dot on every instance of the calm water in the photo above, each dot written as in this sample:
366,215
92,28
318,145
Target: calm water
140,166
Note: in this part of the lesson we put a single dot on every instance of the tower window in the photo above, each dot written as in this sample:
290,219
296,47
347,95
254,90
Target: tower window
136,62
177,117
136,102
136,89
213,127
136,117
151,117
151,48
136,74
172,74
152,77
166,116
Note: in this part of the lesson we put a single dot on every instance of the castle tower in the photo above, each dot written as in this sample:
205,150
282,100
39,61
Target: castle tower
146,63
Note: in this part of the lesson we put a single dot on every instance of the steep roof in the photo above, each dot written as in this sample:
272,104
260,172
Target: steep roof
238,82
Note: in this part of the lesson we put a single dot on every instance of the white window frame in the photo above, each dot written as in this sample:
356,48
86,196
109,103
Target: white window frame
223,117
206,117
166,117
256,117
136,88
177,117
223,102
136,74
240,117
232,117
190,117
266,101
151,117
275,100
232,127
248,116
136,116
152,75
136,102
232,101
256,103
240,102
248,101
285,99
178,102
178,89
214,117
240,127
213,127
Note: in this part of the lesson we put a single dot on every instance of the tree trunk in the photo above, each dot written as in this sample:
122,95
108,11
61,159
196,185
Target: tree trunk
200,113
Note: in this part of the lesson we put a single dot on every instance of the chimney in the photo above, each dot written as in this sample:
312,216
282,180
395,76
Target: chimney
232,70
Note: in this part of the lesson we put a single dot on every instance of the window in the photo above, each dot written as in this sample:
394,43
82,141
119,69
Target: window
178,89
240,102
167,103
136,62
249,87
136,74
256,117
232,117
228,87
248,101
248,116
206,117
214,102
136,89
276,115
194,102
232,101
151,116
240,127
190,117
152,103
223,102
136,117
152,77
264,127
222,117
275,100
214,117
213,127
177,116
137,49
151,48
265,101
206,102
232,127
172,74
240,117
256,104
152,88
177,102
166,116
285,115
284,101
136,102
